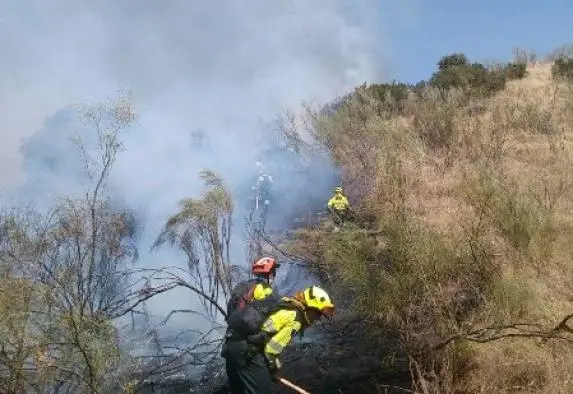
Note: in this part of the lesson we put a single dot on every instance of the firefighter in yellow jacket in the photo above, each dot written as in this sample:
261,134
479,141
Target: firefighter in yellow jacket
298,313
292,316
339,206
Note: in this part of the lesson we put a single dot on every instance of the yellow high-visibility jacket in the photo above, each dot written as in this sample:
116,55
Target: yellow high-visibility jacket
339,202
282,326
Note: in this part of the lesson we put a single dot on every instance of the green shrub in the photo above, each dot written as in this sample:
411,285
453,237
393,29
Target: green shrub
433,118
511,299
515,70
454,71
453,60
563,68
485,83
389,98
410,280
515,215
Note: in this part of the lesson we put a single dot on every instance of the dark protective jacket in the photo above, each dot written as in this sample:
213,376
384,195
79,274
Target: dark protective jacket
246,291
263,185
245,361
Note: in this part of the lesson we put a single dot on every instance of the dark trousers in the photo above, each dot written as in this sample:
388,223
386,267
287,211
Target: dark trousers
247,370
339,216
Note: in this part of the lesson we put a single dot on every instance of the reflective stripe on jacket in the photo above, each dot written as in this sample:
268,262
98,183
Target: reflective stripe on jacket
281,327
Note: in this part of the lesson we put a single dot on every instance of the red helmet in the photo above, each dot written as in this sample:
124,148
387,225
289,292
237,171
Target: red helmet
265,265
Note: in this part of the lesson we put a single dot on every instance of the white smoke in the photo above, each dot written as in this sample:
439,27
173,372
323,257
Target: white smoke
220,66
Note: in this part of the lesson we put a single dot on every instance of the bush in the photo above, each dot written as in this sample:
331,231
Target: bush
390,97
515,70
515,215
464,191
563,68
475,79
434,118
453,60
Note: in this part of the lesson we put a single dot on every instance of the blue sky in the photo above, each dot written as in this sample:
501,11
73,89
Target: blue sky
485,29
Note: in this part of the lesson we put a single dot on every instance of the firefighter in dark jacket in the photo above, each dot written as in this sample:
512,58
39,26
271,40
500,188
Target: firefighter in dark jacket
259,288
257,363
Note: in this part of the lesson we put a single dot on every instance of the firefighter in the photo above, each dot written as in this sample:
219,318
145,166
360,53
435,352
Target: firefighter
338,206
258,288
256,364
243,294
263,185
262,195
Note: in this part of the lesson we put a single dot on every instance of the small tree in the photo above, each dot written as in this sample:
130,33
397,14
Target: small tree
68,267
453,60
454,71
202,230
515,70
563,69
20,343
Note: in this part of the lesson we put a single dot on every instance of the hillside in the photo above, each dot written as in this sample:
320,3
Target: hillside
451,277
463,232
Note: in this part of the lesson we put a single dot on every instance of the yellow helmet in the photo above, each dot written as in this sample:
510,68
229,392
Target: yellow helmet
317,298
338,189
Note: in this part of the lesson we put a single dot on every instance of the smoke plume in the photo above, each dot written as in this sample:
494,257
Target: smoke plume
218,68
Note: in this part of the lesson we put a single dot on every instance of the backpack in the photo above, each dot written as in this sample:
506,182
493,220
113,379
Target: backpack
250,314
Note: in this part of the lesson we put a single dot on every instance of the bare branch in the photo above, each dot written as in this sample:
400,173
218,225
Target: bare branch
517,330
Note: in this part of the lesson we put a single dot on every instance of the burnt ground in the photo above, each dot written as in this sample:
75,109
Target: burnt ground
343,360
347,361
343,356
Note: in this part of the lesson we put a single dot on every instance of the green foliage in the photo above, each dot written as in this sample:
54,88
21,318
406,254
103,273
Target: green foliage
453,60
515,70
215,204
563,68
442,262
434,118
407,278
511,299
516,215
390,97
202,230
93,344
456,72
355,253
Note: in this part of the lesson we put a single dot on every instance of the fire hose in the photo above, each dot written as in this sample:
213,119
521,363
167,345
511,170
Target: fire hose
293,386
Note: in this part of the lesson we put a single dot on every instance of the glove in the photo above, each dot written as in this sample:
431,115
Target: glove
274,366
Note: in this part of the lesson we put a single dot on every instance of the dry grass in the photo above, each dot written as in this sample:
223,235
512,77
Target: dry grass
474,203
